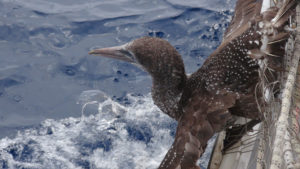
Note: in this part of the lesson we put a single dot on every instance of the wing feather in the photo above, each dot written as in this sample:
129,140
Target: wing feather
203,116
245,11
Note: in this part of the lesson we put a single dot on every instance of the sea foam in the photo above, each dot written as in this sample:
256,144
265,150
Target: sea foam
134,135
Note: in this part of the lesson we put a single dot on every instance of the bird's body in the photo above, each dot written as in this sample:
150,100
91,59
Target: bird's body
225,85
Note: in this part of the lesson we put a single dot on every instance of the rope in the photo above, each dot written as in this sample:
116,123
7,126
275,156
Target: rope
282,124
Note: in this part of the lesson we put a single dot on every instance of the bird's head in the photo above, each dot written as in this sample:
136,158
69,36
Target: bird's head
161,60
155,55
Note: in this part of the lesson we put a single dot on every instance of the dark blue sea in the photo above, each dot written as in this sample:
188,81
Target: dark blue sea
61,108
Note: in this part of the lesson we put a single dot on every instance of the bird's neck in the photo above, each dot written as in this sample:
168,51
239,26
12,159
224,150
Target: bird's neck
167,90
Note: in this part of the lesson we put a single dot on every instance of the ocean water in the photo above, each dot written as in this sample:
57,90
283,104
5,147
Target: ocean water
61,108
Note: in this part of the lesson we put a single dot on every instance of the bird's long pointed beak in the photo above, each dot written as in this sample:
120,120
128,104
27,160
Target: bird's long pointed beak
116,52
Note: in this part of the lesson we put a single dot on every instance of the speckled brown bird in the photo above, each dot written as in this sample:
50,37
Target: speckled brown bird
224,86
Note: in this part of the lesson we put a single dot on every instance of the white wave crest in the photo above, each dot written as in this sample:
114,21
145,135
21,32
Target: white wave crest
136,135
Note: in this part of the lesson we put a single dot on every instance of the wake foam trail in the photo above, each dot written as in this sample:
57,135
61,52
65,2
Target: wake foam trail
136,135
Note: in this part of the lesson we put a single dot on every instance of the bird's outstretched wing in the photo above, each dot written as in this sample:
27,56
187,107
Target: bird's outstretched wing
201,119
229,66
245,11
